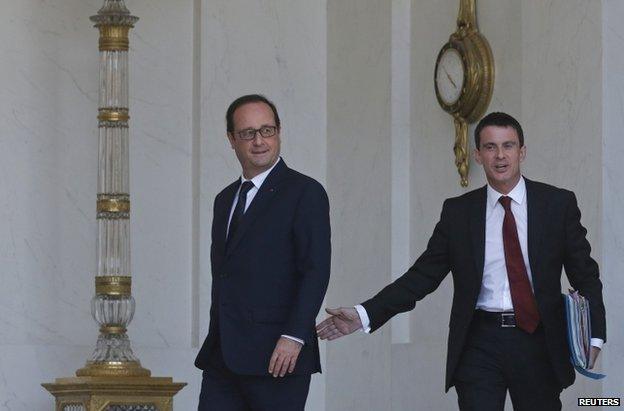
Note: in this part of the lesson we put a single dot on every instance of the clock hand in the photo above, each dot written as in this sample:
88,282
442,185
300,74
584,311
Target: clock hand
449,77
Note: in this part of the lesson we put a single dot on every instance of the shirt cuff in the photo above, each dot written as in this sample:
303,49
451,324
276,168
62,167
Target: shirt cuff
597,342
294,339
363,318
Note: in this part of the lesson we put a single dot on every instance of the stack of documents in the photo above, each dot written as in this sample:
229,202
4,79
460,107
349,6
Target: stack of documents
579,332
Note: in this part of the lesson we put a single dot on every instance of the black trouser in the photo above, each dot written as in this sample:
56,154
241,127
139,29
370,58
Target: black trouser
496,359
222,390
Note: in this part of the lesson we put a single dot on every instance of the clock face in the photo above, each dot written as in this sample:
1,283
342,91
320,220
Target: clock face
450,76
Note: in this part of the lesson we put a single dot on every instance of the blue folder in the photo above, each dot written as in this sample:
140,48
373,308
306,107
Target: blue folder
579,332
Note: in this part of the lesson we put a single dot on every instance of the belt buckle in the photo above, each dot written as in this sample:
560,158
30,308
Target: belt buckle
508,320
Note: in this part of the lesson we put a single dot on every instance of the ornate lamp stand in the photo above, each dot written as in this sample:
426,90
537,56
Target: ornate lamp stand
113,378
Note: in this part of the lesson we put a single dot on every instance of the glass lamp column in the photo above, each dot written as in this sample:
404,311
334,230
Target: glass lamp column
113,304
113,379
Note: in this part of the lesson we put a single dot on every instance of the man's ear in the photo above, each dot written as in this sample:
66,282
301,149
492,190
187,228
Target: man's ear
522,153
477,156
230,137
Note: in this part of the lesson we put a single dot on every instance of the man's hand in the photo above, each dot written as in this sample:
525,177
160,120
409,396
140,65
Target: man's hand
284,357
343,321
593,355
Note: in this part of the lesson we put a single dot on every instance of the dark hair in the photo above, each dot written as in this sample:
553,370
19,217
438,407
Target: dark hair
501,120
241,101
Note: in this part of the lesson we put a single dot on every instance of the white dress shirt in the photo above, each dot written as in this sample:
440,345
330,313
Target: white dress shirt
257,182
495,295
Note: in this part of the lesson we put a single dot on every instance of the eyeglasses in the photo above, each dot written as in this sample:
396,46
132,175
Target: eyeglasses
250,133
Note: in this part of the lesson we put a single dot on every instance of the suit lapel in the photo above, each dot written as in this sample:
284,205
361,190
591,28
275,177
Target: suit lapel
477,230
222,214
536,218
260,202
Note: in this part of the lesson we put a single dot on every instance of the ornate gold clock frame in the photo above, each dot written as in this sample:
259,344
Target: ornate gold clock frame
476,76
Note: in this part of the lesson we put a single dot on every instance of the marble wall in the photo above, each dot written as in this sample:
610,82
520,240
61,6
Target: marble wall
48,157
359,183
612,192
353,81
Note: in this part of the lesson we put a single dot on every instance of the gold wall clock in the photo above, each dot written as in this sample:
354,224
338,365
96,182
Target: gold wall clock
464,80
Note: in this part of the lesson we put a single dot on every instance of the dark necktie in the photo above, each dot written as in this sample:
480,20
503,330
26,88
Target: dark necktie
525,306
239,210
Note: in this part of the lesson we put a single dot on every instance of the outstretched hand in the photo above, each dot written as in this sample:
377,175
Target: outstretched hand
593,356
342,321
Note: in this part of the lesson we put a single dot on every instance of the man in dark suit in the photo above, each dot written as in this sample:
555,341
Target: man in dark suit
505,244
270,260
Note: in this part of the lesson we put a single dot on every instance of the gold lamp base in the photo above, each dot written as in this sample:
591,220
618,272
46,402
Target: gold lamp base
114,393
113,369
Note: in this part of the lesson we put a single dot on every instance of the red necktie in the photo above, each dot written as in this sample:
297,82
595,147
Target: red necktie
525,306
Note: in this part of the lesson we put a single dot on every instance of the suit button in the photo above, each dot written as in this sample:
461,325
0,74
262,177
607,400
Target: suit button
222,275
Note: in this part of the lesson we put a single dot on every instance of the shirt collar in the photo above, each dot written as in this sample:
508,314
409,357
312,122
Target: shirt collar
518,194
259,179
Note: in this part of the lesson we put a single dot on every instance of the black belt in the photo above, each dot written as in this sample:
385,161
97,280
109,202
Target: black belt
503,319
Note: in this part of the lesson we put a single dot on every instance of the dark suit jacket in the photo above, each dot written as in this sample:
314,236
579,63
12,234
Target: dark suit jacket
272,277
556,238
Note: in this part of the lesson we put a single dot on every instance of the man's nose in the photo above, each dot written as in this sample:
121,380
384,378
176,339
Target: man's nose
257,140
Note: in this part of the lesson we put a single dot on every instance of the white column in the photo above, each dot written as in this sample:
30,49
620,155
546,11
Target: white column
400,156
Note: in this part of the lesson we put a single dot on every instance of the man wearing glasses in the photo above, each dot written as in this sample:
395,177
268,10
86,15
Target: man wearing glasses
270,259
